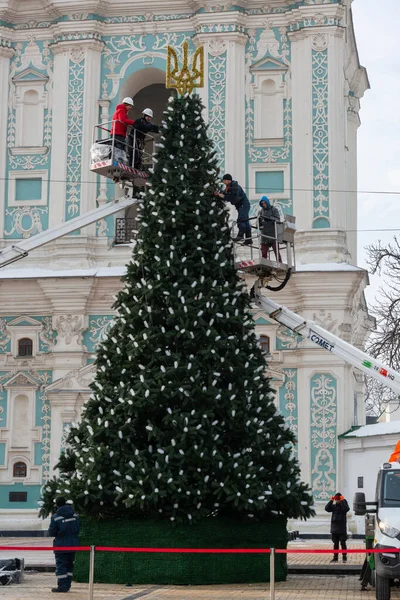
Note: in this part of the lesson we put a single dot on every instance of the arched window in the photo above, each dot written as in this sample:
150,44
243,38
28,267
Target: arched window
264,343
25,347
19,469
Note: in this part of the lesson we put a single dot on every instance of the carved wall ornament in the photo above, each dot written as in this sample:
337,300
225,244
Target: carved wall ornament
68,328
319,42
217,47
288,402
325,320
323,430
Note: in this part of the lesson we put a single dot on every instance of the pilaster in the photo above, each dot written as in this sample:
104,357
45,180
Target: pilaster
59,135
90,119
338,196
302,165
104,106
235,147
5,54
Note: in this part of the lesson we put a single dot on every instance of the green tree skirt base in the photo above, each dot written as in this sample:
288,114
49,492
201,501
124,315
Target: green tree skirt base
181,569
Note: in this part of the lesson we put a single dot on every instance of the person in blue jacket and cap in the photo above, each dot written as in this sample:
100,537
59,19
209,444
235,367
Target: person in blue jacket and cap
64,526
268,216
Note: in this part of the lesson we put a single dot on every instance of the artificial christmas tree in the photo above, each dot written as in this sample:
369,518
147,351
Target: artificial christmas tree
182,426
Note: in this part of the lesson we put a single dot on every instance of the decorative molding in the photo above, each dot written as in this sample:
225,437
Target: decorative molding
34,60
288,402
18,227
21,380
47,335
76,380
97,331
217,63
320,131
76,85
31,150
323,433
5,336
287,339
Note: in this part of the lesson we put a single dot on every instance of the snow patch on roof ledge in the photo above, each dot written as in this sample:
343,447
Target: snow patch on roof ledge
327,267
375,429
119,271
45,273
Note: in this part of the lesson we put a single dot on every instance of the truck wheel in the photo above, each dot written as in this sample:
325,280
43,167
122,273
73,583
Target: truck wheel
382,588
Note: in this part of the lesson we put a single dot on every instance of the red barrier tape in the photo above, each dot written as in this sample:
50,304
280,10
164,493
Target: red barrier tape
40,548
348,551
202,550
188,550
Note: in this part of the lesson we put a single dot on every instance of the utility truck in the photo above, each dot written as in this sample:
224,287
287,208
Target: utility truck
382,523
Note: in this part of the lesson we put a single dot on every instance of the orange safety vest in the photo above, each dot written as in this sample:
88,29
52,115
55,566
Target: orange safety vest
395,456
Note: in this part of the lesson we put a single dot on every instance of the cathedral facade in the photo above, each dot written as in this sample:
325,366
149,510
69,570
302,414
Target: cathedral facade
282,95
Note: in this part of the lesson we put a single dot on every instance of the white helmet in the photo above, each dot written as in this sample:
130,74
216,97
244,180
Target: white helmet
148,112
127,101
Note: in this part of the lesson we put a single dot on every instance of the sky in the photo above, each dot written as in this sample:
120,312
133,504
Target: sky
377,28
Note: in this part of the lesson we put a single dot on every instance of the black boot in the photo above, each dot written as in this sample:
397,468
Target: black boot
58,591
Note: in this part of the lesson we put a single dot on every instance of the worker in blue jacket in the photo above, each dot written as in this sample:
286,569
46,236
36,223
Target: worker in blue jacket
64,526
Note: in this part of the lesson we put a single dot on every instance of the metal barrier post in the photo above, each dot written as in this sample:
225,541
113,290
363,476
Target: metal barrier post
91,573
272,574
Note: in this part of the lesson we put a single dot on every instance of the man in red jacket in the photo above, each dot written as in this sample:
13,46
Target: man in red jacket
120,122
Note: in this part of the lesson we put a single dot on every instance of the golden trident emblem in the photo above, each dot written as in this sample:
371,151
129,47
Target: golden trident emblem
186,79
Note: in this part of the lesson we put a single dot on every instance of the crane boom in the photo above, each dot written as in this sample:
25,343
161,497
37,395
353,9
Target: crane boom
15,252
330,342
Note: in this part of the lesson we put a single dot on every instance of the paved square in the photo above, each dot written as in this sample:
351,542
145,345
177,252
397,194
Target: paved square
297,587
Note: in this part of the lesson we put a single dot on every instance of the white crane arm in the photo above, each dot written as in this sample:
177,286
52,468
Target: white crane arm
330,342
22,248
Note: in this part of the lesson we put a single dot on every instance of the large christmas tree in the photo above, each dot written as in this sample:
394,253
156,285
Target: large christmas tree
181,424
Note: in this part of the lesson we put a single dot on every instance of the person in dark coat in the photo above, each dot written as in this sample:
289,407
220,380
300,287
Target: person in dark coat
338,506
64,526
235,194
268,216
142,127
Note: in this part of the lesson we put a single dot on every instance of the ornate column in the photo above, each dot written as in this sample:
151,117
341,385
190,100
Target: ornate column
6,52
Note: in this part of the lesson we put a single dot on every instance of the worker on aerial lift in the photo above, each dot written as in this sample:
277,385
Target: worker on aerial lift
268,217
120,122
137,137
235,194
